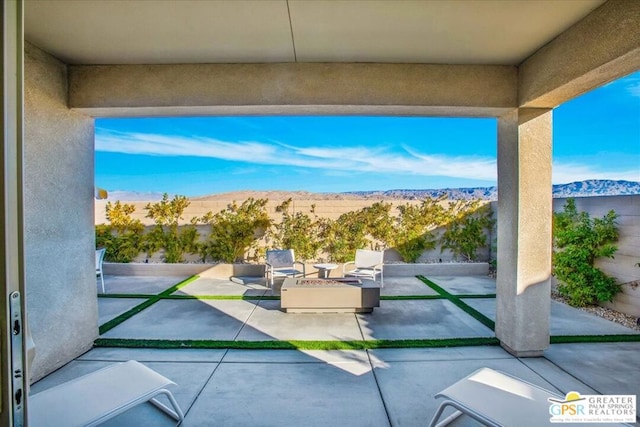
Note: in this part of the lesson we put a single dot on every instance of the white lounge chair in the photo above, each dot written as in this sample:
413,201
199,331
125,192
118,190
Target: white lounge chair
282,263
99,260
101,395
496,399
368,264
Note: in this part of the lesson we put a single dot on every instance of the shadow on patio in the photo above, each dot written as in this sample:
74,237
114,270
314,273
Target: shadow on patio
355,382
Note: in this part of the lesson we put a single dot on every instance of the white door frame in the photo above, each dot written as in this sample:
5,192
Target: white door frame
13,366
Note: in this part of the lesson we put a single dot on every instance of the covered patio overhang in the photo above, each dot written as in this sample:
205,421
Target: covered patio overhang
514,61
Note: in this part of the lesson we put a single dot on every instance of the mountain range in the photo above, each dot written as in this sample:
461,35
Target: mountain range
588,188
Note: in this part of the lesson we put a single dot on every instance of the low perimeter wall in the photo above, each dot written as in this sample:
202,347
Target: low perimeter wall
437,269
257,270
179,270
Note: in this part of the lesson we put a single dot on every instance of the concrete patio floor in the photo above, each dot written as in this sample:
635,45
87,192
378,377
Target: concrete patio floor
377,387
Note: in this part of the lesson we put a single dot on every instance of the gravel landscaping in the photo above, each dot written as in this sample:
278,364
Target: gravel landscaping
606,313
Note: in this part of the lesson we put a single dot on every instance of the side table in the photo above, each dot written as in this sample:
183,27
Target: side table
324,269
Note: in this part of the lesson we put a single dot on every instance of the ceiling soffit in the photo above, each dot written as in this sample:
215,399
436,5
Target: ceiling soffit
502,32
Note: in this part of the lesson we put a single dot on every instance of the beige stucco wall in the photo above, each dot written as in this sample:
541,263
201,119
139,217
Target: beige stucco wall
598,49
332,208
293,88
623,266
58,210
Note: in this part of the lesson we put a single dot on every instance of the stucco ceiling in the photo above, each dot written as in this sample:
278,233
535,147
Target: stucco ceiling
240,31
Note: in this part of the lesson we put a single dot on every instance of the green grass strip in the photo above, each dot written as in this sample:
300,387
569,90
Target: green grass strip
432,343
143,305
410,297
472,296
224,297
294,345
179,285
126,295
567,339
218,297
435,287
341,345
455,299
126,315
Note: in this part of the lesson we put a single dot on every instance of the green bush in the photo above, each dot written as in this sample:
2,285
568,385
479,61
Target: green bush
411,234
341,237
466,233
236,229
369,227
578,241
122,237
379,224
297,231
167,233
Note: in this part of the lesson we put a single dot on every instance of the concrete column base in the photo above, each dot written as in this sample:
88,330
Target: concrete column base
522,354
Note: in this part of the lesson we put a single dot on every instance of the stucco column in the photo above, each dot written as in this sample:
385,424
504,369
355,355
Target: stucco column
524,231
59,237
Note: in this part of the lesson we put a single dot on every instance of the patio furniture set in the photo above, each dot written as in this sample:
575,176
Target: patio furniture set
490,397
347,294
281,263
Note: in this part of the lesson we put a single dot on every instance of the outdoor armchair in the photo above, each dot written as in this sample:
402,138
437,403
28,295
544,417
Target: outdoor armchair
367,264
282,263
99,259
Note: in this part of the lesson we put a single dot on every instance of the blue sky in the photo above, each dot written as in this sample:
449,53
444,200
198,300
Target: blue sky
596,136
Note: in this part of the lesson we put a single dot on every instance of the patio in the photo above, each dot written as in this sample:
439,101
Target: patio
365,385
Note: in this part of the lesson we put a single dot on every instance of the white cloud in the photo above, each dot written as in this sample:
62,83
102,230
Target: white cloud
162,145
335,160
569,172
631,84
634,89
354,159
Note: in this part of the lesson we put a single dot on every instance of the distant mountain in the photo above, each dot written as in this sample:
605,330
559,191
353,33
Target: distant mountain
596,187
134,196
592,187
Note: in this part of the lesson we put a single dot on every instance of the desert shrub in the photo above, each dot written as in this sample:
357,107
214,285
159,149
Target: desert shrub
411,234
467,230
379,224
238,229
369,227
578,241
235,230
167,233
297,231
122,237
341,237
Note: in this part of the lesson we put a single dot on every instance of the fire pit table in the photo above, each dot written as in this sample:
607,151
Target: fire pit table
341,295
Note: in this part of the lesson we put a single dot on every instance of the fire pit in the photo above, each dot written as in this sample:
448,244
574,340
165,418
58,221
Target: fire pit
328,282
346,295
